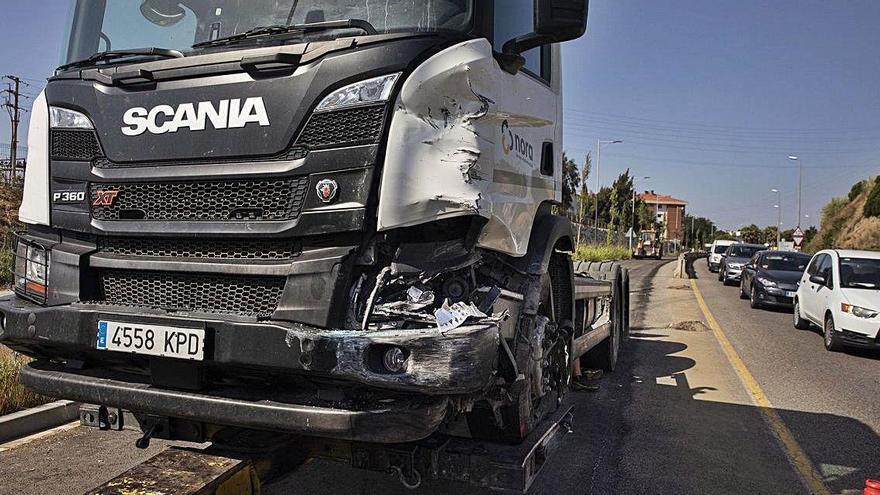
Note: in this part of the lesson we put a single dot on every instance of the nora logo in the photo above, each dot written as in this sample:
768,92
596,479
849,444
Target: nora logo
510,141
226,114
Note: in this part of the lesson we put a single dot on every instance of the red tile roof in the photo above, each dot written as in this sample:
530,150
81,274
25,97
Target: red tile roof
664,199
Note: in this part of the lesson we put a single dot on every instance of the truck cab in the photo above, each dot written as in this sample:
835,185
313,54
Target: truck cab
330,217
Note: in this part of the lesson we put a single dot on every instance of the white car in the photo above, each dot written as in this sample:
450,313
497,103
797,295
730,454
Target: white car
840,292
716,252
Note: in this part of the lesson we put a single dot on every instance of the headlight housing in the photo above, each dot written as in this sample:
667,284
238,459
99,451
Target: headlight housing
64,118
735,266
375,90
766,282
858,311
31,270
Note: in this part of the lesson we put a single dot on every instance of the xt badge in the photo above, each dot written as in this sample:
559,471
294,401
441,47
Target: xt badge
105,198
327,190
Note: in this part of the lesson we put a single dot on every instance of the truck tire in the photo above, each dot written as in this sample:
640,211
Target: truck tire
605,355
527,409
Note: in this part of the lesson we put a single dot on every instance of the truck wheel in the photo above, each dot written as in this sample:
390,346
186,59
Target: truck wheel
543,356
604,356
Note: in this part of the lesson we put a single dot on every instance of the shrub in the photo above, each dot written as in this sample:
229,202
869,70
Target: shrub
872,205
857,189
589,252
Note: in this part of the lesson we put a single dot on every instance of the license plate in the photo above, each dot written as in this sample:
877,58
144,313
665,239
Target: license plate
152,340
790,294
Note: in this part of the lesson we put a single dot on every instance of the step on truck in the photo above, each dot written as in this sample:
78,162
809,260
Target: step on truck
331,218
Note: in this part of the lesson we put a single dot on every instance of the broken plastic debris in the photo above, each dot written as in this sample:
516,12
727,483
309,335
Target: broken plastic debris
451,317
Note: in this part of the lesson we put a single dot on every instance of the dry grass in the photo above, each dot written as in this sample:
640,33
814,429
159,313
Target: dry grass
845,226
14,397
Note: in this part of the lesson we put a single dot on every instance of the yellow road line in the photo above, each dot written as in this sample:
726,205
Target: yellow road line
793,450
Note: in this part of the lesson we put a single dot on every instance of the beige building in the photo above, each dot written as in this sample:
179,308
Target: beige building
669,211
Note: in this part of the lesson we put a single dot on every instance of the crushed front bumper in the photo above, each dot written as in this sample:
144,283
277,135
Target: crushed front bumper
439,365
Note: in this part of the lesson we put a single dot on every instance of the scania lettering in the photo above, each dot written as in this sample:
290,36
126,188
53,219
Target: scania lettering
228,114
307,217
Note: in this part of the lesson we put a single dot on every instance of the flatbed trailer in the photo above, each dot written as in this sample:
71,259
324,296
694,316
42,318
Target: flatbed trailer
251,459
240,461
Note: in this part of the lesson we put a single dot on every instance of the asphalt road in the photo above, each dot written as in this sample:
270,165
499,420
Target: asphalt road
830,401
675,417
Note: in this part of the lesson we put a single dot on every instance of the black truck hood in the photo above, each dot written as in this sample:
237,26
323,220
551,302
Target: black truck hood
273,103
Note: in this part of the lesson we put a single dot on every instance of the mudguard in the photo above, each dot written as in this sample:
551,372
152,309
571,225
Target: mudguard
548,231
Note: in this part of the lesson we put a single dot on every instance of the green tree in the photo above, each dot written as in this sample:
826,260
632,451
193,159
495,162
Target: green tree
570,181
698,231
604,200
752,234
584,198
621,203
768,235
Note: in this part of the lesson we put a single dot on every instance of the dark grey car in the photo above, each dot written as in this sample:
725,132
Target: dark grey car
735,259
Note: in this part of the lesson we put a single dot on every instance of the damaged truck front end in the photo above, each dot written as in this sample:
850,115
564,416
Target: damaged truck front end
333,227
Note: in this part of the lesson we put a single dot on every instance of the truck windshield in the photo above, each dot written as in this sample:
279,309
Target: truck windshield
102,25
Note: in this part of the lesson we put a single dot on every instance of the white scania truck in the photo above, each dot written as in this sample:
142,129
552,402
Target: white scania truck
332,218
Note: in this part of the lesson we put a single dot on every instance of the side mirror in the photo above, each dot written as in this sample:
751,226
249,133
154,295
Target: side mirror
561,20
817,279
556,21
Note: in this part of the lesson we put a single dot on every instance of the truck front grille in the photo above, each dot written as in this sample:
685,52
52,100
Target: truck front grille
344,128
226,200
220,249
79,145
203,293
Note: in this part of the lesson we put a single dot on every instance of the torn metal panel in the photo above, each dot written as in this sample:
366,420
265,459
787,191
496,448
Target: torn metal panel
466,139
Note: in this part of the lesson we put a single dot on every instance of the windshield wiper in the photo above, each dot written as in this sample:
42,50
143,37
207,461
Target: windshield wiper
294,28
116,54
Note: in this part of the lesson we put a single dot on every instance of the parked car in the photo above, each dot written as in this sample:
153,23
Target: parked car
771,278
734,259
716,253
840,293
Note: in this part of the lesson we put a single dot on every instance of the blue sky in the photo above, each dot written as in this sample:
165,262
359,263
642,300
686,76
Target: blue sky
709,96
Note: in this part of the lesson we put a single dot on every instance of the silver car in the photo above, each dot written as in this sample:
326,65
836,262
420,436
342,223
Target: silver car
734,259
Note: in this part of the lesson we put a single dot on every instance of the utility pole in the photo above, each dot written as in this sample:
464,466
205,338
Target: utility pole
778,216
800,186
13,107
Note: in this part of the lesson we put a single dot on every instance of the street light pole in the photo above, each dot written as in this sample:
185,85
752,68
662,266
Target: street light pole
599,144
778,216
800,185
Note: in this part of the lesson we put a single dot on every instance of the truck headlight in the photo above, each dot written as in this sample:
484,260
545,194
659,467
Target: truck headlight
766,282
31,270
375,90
63,118
858,311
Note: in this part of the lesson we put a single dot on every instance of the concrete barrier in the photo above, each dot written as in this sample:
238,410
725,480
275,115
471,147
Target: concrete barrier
36,419
685,264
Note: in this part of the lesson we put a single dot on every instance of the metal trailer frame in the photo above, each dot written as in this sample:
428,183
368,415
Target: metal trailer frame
241,461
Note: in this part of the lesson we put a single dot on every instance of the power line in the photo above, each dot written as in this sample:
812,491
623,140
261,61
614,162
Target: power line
697,125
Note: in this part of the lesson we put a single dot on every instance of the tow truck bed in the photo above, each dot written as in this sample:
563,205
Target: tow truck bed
250,459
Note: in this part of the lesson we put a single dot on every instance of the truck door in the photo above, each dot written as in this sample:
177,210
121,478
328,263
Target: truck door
528,155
